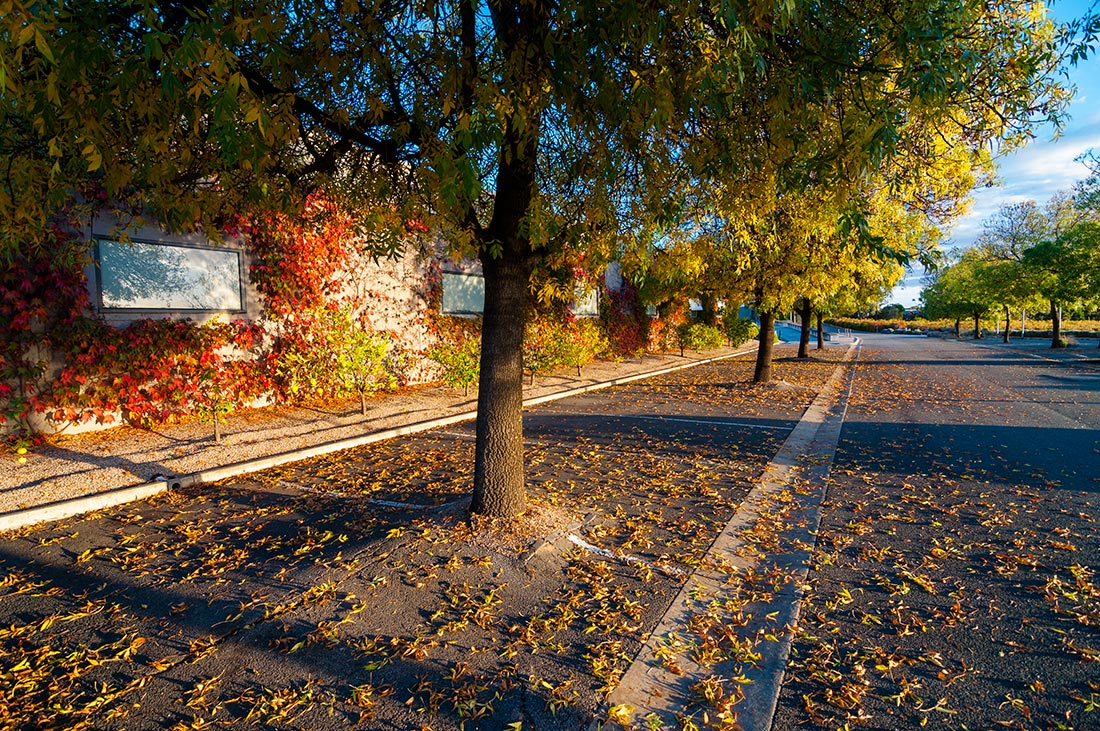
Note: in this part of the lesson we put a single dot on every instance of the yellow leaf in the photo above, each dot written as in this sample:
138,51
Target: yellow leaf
621,714
42,46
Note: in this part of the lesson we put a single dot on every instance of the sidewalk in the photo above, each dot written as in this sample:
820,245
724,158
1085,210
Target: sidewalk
92,464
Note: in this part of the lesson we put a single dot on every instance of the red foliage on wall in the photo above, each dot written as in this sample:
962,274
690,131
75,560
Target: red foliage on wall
155,371
626,321
43,294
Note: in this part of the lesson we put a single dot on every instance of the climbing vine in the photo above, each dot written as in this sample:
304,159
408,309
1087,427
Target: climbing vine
43,296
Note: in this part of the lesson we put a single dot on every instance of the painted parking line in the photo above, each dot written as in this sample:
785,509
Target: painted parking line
623,557
737,424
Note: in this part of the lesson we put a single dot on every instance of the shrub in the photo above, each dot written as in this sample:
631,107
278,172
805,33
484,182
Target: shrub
697,336
739,331
361,362
583,341
327,354
460,358
550,342
541,346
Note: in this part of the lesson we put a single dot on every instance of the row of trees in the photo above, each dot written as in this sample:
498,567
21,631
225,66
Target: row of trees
1029,257
789,152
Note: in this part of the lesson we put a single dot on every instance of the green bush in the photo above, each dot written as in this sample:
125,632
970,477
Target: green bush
361,363
461,361
583,341
739,331
331,355
697,336
550,343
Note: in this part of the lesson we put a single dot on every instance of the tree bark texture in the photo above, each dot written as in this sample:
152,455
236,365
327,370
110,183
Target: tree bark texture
1055,325
507,259
498,452
764,352
1008,322
820,332
805,312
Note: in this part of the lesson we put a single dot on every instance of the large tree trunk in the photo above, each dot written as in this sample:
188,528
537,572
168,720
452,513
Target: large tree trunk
507,259
1008,321
805,312
498,452
709,302
977,326
1055,325
763,372
820,332
958,327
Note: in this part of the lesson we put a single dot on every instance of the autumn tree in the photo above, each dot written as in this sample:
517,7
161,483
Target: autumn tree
515,128
839,103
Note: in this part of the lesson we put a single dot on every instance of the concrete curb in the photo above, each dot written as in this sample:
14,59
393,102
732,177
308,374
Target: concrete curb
647,687
112,498
76,506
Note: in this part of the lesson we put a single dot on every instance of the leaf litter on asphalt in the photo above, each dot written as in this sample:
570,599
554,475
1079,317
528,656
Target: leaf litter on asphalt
952,591
350,590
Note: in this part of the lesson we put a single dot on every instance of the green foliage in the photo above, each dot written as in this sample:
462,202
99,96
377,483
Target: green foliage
890,312
738,331
551,342
584,341
360,360
461,360
698,336
326,354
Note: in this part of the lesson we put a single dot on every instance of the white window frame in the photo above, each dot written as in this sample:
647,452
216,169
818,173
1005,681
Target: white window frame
191,271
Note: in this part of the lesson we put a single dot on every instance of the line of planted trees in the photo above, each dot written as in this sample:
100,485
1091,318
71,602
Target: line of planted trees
792,152
1028,257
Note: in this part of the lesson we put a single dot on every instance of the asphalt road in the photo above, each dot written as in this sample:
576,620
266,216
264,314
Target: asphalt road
348,590
954,584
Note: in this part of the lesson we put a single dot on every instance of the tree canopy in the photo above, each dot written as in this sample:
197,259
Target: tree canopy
520,128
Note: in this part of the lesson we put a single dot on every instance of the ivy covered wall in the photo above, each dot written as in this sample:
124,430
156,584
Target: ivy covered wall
321,316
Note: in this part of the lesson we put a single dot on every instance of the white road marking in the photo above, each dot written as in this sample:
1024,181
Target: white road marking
624,558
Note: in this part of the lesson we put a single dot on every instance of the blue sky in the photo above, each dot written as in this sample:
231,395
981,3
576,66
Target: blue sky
1039,170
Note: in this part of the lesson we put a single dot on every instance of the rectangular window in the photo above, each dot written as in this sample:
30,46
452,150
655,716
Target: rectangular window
586,304
463,294
156,276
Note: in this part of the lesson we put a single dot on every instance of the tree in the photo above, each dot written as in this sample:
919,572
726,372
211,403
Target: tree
840,104
514,127
1034,251
1065,270
958,291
